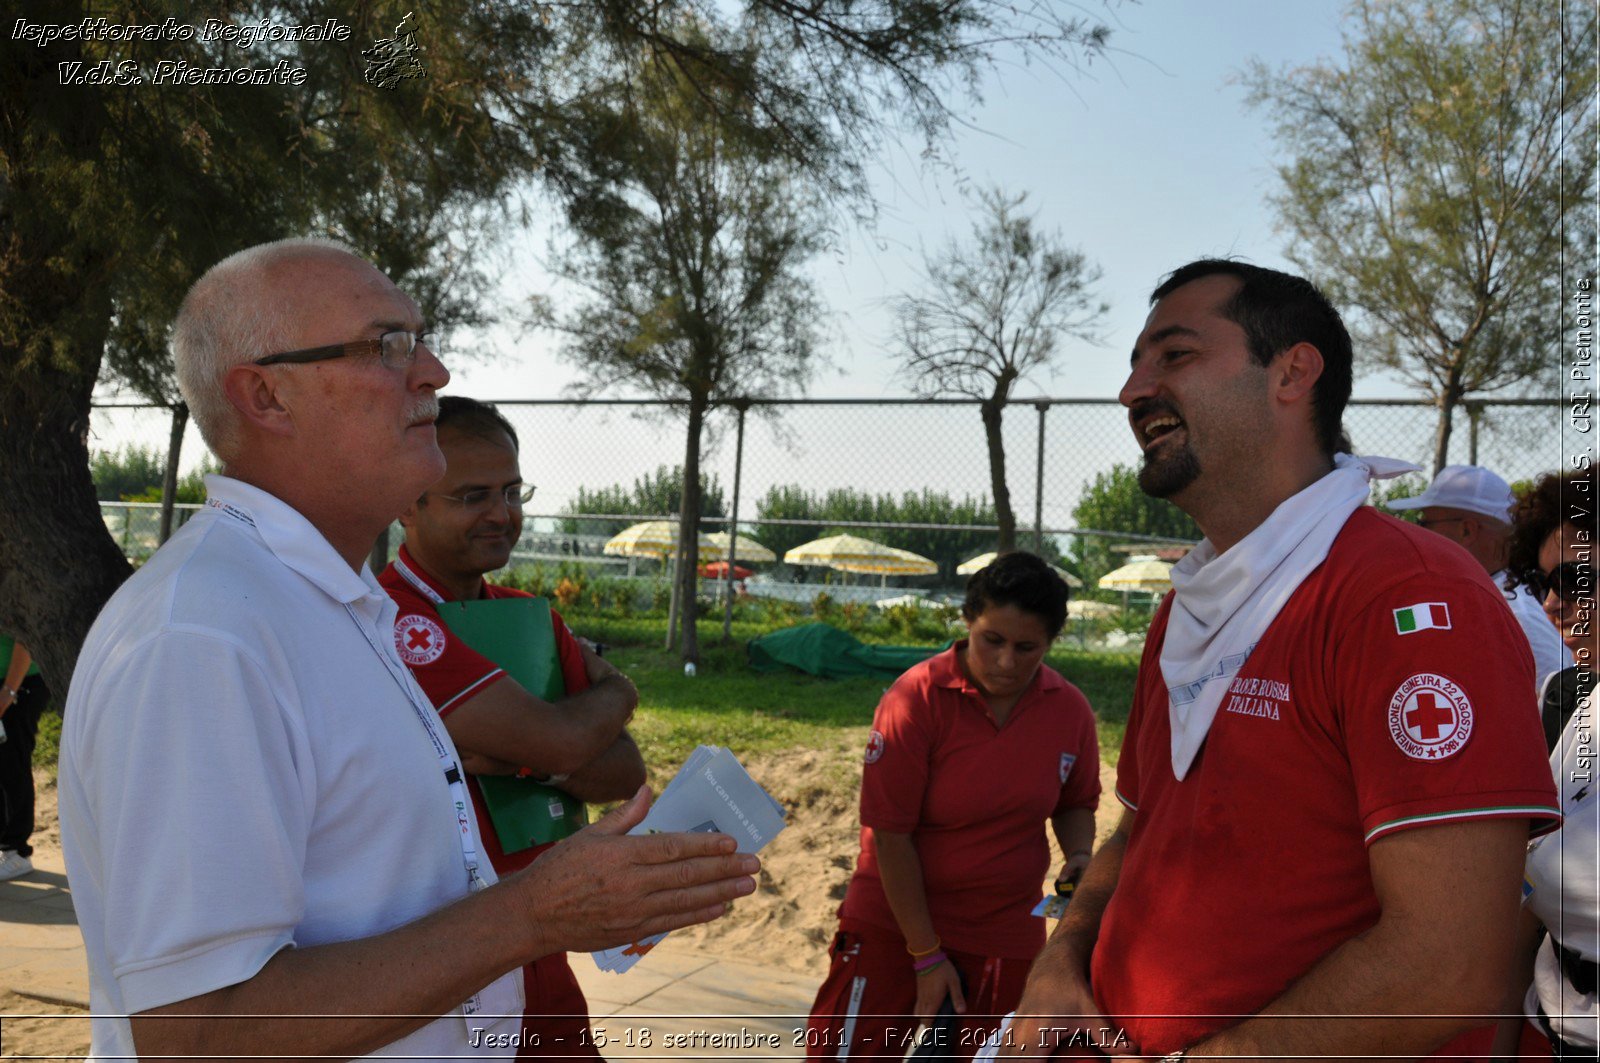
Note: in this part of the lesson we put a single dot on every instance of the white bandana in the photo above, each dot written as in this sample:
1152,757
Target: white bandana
1221,605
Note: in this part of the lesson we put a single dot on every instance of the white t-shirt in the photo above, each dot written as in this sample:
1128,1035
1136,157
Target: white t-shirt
1550,654
1564,872
243,770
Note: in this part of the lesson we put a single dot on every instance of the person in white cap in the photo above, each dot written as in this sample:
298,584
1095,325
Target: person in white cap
1471,506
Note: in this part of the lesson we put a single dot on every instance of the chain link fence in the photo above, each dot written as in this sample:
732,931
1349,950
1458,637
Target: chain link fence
880,447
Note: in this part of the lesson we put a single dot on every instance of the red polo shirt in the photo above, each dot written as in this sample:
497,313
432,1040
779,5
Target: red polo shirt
1349,721
975,797
450,672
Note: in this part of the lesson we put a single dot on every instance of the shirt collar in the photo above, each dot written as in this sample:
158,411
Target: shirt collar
424,582
945,671
292,538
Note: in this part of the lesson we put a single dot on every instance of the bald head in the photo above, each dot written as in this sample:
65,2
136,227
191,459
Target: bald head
245,307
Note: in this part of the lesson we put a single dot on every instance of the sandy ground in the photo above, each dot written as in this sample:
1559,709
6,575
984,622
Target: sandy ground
787,924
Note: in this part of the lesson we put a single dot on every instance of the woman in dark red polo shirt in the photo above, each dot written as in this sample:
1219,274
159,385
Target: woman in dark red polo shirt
971,753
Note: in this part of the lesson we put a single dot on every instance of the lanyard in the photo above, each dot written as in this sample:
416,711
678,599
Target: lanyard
452,771
462,804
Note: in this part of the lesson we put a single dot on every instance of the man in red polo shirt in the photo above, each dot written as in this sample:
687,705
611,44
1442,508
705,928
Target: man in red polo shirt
1328,783
463,526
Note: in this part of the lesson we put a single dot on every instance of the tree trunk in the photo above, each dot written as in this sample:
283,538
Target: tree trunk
689,529
1447,402
169,479
992,410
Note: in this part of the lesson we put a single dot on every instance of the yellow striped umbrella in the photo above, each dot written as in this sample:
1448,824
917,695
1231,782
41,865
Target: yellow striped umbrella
982,561
749,549
657,538
851,553
1140,574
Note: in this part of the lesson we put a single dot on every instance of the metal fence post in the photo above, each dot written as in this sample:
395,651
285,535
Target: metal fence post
1038,484
733,525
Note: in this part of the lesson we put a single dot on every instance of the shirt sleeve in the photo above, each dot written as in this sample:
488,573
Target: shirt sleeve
200,822
574,673
1082,788
899,750
449,671
1431,687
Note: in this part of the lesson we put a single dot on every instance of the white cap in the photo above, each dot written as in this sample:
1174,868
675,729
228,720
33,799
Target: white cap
1468,487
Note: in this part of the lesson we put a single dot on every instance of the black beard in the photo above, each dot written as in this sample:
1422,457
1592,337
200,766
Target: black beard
1166,476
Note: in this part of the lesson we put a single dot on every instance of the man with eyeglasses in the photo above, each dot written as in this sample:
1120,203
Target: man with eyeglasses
269,841
1471,506
461,528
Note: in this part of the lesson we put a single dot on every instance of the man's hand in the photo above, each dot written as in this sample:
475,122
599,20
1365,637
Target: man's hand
600,888
934,986
1056,1002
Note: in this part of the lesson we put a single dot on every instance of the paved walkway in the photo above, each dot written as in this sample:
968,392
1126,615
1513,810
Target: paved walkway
676,1003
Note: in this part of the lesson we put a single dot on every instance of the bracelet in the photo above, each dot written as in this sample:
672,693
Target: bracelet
1075,852
928,963
927,951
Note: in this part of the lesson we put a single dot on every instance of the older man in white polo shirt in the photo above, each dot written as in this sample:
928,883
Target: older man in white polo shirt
1471,506
269,844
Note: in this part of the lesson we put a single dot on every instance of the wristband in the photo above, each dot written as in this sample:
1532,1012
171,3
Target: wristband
1076,852
929,951
928,963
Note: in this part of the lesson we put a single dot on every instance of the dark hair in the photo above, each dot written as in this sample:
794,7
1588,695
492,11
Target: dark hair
1278,310
473,417
1021,579
1556,499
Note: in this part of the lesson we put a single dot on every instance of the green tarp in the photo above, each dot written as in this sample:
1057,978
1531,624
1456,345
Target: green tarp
824,650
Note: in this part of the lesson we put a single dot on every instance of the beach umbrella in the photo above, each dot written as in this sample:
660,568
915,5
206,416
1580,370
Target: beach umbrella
748,549
1140,574
655,538
719,570
851,553
1082,610
982,561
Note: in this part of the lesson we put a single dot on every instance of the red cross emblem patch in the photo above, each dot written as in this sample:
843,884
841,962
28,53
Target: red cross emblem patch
1430,717
874,748
419,639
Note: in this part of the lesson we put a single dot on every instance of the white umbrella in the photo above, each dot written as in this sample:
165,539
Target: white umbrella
982,561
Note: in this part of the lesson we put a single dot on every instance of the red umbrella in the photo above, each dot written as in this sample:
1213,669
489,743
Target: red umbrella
719,570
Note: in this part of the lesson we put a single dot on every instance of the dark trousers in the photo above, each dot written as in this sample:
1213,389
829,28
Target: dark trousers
21,722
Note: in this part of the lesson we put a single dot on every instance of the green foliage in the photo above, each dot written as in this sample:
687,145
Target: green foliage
1440,179
1113,502
654,494
946,548
1408,486
121,474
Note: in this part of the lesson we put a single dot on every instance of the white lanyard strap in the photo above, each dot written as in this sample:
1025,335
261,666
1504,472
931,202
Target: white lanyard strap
452,771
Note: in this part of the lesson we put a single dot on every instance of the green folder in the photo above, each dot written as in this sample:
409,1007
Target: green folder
518,634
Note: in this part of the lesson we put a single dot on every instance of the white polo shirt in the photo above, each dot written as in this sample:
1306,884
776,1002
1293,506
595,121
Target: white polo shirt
243,769
1550,654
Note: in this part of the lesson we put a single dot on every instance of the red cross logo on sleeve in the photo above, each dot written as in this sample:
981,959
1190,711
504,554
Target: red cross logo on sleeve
1430,717
419,639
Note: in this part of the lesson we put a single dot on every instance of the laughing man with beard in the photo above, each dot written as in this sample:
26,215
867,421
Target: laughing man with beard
1326,803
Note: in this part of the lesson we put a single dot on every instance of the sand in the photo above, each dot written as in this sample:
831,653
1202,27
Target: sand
786,924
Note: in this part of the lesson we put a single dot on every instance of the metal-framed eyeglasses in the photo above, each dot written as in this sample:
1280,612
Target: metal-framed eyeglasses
396,350
479,499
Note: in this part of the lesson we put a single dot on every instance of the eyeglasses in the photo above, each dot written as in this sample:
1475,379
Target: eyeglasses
479,499
396,350
1567,581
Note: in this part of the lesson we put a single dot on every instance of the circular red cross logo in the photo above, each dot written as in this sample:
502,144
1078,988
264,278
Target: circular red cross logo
1430,717
874,748
419,639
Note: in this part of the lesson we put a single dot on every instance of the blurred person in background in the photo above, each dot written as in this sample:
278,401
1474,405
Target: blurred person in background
1552,553
1471,506
971,754
22,698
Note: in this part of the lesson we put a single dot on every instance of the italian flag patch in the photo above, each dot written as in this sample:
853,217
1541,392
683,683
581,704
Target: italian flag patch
1422,617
